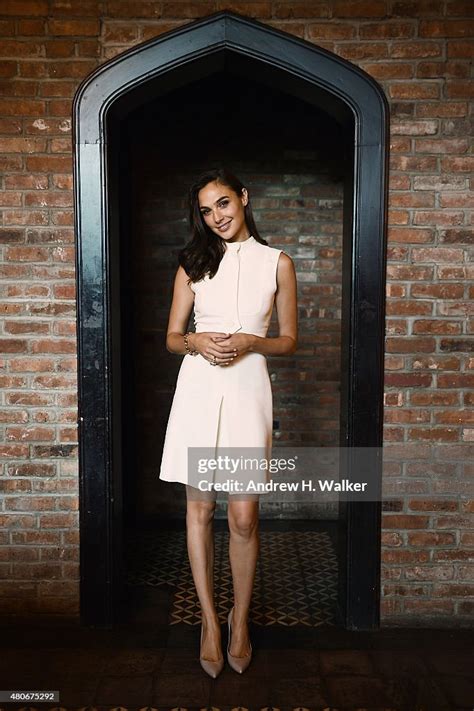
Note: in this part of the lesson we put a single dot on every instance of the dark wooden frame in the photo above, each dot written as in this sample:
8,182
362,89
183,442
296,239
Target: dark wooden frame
344,88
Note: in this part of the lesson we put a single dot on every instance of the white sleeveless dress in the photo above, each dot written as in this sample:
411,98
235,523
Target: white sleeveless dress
225,406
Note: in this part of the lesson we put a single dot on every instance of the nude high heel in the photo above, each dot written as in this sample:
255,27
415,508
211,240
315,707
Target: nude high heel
239,664
210,667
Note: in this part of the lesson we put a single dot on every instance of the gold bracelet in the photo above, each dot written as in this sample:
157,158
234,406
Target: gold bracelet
186,344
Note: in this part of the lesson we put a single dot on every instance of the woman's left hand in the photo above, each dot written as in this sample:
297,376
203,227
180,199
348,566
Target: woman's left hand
238,342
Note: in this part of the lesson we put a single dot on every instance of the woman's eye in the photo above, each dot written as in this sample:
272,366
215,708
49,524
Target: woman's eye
221,204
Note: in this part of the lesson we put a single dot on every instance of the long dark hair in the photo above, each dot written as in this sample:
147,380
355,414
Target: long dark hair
203,253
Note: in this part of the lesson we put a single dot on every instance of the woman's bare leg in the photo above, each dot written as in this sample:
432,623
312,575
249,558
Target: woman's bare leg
243,553
200,543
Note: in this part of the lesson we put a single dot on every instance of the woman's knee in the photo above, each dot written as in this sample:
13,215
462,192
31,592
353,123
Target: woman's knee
200,513
243,520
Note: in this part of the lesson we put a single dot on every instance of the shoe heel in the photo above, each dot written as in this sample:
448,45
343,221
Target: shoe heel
210,667
238,664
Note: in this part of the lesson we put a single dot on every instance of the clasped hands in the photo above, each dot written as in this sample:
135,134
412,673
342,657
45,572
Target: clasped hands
221,348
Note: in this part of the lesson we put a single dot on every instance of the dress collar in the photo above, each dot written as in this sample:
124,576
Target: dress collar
236,246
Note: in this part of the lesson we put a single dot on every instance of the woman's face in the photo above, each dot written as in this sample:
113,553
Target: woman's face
223,211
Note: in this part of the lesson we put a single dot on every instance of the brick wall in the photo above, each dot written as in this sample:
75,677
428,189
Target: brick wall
421,54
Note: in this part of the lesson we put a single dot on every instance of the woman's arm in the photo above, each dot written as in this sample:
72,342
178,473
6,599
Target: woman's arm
204,343
181,306
286,342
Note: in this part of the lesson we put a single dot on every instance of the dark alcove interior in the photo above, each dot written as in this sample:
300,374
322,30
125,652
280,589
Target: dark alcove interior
292,156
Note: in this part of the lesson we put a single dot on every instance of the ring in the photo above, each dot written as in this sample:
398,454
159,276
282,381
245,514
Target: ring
214,361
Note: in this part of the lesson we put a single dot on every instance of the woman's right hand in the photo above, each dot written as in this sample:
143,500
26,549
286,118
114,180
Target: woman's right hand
206,344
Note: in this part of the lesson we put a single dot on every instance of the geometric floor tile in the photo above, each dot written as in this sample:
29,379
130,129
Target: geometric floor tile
295,580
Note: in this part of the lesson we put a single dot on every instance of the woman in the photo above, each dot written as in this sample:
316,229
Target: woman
223,393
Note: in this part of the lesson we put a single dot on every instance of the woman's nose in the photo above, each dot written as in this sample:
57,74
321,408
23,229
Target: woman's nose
217,216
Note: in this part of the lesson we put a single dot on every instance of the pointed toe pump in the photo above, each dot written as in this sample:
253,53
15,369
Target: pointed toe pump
210,667
239,664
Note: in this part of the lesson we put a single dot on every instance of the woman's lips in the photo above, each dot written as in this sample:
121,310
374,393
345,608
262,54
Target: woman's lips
224,227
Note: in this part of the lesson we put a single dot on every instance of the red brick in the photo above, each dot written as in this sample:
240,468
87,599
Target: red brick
416,8
31,27
414,90
415,49
59,49
408,380
407,199
437,326
295,10
386,30
459,89
8,69
414,163
453,590
407,415
24,365
428,607
7,28
359,8
330,31
456,200
18,521
437,145
89,48
446,28
21,107
14,48
405,556
256,10
460,48
155,29
437,254
58,520
52,89
430,538
120,33
14,553
48,199
455,164
432,505
390,607
404,521
430,110
38,181
78,69
389,70
459,7
49,164
73,27
437,69
361,50
25,7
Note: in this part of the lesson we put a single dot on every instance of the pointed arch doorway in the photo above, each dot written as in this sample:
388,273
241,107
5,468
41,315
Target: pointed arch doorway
223,42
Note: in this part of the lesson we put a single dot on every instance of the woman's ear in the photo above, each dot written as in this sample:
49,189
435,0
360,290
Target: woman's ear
245,196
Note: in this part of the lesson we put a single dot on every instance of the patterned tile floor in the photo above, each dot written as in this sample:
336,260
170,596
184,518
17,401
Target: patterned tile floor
295,579
150,660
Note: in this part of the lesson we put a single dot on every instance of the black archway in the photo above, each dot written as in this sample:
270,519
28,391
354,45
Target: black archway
218,42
